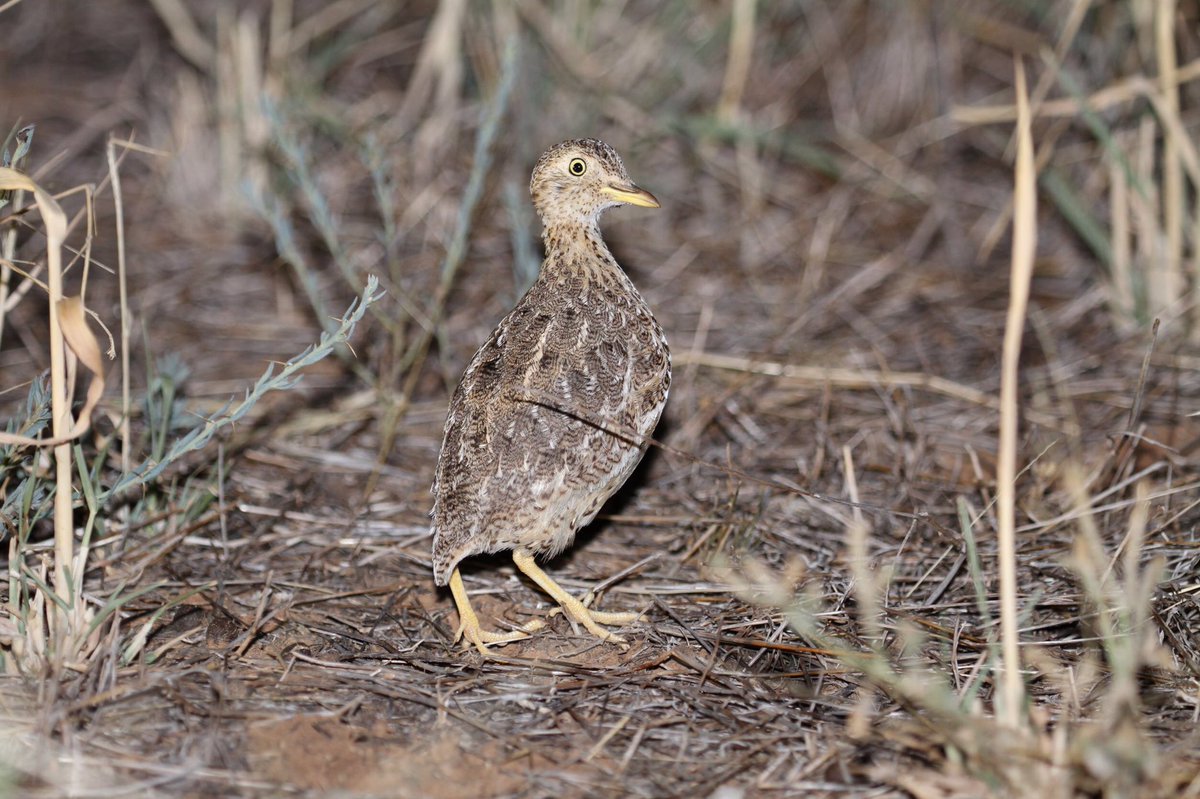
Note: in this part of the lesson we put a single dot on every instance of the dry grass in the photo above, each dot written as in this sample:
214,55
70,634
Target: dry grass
815,541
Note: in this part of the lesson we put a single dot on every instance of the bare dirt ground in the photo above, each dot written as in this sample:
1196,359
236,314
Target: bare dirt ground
831,265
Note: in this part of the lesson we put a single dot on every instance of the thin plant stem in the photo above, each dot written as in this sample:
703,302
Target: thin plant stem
114,175
1024,244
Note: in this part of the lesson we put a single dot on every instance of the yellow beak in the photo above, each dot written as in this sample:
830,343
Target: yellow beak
631,194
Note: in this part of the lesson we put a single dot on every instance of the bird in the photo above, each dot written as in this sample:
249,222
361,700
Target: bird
555,409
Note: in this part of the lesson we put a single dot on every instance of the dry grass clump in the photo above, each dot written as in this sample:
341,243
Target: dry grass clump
922,517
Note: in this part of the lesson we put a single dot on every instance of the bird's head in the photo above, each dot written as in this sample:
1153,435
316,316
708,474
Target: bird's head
579,179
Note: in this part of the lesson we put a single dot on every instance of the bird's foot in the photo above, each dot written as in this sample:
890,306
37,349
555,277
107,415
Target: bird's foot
580,612
576,611
472,634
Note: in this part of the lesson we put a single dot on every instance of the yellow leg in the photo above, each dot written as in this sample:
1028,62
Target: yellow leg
468,623
572,607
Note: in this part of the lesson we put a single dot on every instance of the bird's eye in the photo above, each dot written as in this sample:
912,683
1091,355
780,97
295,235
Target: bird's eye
577,166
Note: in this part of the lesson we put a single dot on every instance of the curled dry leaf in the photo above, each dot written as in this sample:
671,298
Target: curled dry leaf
82,344
72,321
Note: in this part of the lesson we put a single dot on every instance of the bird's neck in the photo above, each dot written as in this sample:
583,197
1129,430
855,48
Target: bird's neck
573,234
576,242
576,255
